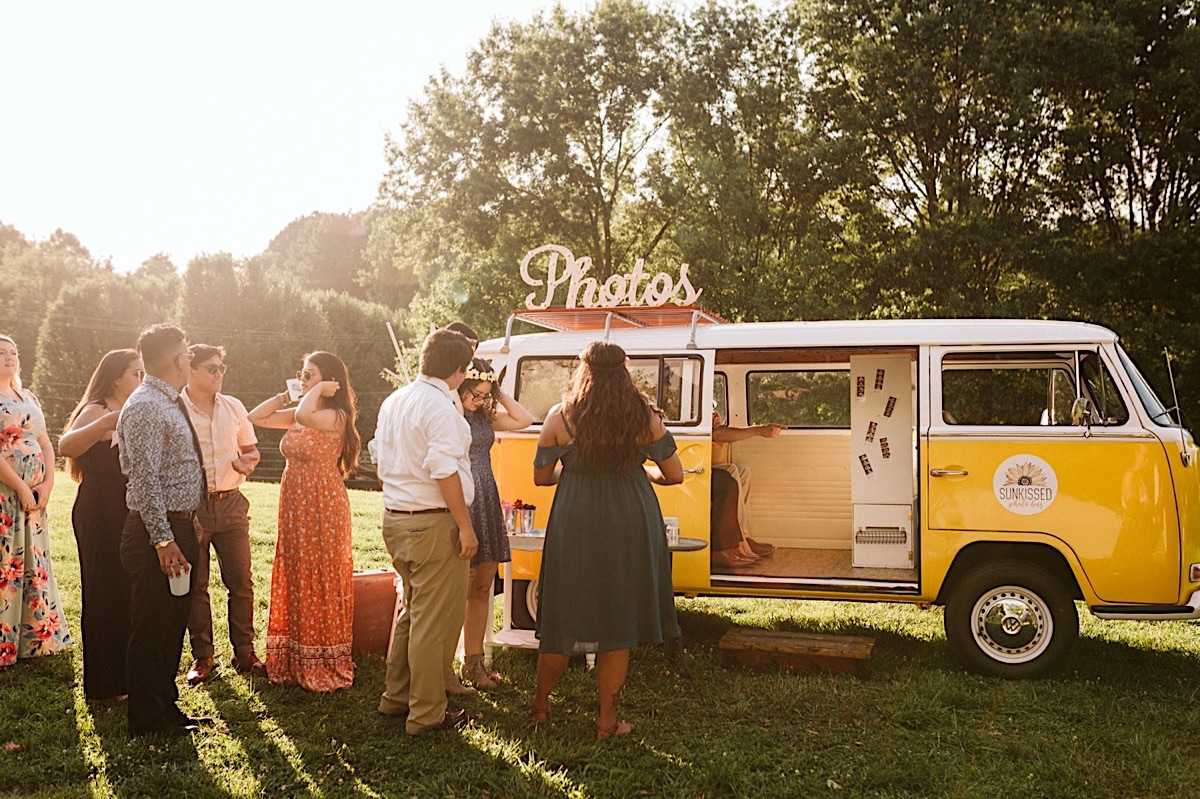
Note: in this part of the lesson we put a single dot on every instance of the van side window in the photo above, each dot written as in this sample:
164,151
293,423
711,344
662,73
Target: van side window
1026,389
721,395
1099,385
541,383
799,398
671,382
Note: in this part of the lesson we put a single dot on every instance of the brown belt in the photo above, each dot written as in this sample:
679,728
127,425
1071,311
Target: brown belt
415,512
213,496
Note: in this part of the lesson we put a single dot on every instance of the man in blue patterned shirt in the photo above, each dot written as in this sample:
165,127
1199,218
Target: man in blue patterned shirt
160,457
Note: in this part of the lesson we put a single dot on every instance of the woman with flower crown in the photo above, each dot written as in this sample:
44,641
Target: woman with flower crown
488,410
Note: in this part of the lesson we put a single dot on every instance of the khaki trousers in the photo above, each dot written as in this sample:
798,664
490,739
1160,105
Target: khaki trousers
424,550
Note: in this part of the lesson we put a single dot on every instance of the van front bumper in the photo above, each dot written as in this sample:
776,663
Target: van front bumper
1150,612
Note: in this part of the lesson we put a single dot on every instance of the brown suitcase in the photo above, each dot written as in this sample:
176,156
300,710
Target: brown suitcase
374,609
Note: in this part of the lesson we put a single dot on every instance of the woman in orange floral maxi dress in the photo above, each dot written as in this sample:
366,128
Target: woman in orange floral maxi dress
310,626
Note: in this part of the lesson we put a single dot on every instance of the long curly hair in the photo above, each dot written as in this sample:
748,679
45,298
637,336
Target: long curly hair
610,417
487,408
345,402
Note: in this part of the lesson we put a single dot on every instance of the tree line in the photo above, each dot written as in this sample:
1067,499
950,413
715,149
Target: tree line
818,159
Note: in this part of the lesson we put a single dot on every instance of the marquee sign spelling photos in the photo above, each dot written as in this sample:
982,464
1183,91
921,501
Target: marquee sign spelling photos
635,288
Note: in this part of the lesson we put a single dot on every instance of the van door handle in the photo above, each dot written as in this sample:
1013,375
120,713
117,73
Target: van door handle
696,470
948,472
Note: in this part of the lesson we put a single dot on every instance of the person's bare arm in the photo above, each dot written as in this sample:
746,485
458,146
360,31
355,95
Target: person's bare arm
667,472
554,434
247,460
511,415
273,412
725,435
89,427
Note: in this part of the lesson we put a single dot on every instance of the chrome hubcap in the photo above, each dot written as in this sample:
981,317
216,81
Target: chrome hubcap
1012,624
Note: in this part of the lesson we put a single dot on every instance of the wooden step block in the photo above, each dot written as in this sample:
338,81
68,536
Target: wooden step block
795,651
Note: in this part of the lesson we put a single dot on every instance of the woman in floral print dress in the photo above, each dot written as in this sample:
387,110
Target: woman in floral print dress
311,620
31,620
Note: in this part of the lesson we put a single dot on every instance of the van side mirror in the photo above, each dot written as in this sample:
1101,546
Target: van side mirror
1082,413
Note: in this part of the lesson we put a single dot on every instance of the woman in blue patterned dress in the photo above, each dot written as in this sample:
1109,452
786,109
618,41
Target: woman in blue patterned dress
487,409
31,620
606,574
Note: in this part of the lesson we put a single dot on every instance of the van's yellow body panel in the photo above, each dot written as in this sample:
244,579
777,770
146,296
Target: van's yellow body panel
1113,512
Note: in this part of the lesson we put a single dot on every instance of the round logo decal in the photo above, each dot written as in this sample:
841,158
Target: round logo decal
1025,484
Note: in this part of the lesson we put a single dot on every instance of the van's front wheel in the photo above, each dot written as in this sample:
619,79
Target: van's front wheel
524,604
1011,619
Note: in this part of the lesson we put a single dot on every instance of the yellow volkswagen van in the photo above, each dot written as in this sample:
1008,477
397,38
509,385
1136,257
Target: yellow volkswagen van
1002,468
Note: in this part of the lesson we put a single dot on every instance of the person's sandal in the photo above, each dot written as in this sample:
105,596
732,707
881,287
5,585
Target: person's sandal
473,672
618,728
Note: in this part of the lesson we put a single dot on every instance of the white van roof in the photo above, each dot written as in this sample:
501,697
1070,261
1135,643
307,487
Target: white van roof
840,333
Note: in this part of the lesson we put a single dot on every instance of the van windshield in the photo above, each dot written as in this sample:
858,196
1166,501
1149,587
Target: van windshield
673,382
1154,406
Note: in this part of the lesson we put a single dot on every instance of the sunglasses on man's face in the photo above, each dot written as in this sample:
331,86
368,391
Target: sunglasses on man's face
214,369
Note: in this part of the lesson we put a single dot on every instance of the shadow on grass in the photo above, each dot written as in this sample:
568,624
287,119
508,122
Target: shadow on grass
338,744
37,731
908,636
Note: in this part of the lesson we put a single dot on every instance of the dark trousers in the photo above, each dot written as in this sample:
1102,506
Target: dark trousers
723,520
157,624
226,524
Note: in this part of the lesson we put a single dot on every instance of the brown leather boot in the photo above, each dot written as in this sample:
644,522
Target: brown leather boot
201,671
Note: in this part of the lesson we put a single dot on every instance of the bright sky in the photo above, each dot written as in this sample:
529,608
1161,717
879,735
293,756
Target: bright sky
144,126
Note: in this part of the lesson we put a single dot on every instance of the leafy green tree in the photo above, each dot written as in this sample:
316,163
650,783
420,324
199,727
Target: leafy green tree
33,276
88,318
325,250
1127,73
551,134
749,177
942,105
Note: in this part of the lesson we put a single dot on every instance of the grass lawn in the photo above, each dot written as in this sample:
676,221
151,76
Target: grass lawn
1121,720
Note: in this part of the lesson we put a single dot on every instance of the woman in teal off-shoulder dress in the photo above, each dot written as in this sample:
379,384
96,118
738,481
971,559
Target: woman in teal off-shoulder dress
606,573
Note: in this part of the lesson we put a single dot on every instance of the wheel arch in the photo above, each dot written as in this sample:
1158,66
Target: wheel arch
982,552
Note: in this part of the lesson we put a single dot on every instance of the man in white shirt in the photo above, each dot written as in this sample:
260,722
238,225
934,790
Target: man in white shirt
422,452
230,452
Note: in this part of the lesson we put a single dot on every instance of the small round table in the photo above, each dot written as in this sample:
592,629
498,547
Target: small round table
687,545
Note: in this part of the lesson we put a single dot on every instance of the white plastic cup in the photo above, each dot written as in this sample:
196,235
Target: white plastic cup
294,387
672,526
182,583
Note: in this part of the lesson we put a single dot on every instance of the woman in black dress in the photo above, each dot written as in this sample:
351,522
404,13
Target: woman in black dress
98,517
606,573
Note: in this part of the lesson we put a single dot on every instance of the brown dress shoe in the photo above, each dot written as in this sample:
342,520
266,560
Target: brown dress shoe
453,720
250,664
200,671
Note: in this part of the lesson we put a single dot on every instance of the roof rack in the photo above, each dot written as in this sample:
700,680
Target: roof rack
559,318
